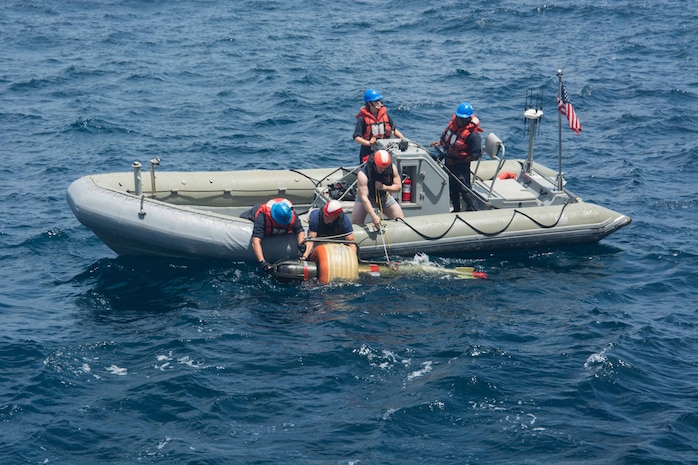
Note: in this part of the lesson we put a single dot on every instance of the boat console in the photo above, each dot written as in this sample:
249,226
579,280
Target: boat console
497,183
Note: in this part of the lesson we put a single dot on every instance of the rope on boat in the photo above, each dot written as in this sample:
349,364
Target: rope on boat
317,182
384,233
336,239
483,233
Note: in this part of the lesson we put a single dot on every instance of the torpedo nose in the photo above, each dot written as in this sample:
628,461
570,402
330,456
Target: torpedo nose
294,270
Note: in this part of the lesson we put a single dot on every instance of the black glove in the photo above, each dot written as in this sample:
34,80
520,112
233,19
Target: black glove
441,153
264,266
302,247
403,145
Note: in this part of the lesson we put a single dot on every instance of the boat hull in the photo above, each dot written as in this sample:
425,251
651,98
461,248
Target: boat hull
133,226
467,232
183,227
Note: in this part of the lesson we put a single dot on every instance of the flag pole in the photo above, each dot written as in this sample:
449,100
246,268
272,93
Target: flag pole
559,132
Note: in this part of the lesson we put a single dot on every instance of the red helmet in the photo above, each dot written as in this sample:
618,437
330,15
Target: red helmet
382,159
332,209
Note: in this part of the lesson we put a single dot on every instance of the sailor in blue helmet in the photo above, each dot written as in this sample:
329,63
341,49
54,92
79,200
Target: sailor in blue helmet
274,217
373,123
462,143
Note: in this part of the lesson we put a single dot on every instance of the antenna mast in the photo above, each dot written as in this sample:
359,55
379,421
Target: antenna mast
560,180
533,112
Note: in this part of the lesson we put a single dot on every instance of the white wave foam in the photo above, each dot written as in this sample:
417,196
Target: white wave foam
115,370
426,368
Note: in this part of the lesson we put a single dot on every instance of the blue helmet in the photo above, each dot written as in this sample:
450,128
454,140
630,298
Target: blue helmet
281,213
372,95
465,110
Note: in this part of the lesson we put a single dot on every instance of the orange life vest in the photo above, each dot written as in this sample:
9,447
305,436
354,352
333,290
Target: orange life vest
378,126
454,137
271,227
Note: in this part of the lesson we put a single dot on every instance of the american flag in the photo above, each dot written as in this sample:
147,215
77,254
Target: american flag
565,107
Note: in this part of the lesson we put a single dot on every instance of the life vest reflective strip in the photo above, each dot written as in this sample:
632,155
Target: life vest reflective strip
454,137
378,126
271,227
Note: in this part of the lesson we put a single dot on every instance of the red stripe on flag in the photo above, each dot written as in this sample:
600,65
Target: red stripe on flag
564,106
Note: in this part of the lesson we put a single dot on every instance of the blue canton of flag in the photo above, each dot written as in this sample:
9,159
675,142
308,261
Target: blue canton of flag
565,107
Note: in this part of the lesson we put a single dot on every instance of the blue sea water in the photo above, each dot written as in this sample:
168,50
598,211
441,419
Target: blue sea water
576,355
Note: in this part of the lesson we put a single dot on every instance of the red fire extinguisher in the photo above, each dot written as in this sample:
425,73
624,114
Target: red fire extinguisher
407,190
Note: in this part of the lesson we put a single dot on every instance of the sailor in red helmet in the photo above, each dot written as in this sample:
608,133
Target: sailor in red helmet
375,184
373,122
274,217
329,222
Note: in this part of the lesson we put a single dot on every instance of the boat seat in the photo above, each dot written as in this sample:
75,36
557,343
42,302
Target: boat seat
510,190
493,145
488,168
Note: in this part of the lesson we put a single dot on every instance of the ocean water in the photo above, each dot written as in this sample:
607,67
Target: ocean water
575,355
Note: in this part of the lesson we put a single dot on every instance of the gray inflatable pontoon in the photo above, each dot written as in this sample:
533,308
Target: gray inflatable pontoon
196,214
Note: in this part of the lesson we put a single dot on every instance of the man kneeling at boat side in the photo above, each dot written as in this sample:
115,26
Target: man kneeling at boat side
375,183
273,218
329,222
